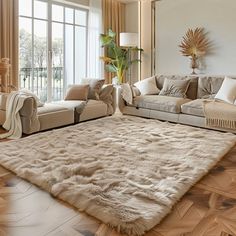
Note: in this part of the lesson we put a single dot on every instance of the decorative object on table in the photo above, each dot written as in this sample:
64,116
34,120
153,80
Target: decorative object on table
194,45
116,57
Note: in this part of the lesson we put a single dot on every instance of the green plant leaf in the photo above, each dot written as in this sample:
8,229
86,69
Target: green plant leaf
111,68
111,33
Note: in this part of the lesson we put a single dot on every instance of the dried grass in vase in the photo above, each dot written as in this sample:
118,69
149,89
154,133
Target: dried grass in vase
194,45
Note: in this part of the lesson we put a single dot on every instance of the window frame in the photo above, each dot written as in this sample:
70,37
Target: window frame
50,22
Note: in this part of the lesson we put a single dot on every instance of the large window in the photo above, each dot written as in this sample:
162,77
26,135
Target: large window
53,47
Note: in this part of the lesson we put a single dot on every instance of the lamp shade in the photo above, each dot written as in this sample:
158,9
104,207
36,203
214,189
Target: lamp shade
128,39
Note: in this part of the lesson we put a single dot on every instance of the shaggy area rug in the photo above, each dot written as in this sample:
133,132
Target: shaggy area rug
126,171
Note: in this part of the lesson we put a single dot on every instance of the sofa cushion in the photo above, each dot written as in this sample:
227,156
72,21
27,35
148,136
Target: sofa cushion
227,91
95,87
147,86
193,86
175,88
194,107
94,109
72,105
51,108
160,103
77,92
106,94
208,86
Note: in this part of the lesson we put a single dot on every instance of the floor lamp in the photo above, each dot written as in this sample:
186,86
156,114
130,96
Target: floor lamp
129,41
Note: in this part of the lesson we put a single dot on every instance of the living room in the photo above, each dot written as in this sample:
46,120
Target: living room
117,117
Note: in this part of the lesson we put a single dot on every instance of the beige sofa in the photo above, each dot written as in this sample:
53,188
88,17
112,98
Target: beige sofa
61,113
180,110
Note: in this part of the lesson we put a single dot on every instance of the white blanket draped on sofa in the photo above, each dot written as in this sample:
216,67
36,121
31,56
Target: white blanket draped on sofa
15,102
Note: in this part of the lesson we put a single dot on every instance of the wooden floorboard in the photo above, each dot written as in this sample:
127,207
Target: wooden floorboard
208,209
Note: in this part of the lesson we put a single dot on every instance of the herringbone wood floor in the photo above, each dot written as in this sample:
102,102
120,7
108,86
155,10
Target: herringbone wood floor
208,209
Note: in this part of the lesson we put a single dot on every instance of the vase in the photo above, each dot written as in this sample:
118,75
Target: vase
115,81
194,64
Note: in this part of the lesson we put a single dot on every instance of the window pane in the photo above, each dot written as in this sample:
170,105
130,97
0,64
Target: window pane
40,10
57,61
69,54
69,18
25,51
40,59
80,53
80,17
57,13
25,7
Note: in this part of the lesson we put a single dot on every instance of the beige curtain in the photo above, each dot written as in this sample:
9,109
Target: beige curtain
9,39
113,12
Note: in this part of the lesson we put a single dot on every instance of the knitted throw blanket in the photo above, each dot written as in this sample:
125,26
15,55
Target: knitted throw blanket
220,114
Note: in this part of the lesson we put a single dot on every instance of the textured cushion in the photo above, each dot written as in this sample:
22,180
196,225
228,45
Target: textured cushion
209,86
147,86
193,86
194,107
77,92
160,103
175,88
227,91
95,87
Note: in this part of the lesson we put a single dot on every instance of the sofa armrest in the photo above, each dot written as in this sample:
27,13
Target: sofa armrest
3,103
120,103
26,113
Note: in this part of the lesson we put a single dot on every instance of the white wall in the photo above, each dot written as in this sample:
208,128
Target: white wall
146,38
131,17
174,17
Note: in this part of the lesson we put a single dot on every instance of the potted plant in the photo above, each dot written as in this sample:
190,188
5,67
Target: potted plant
116,58
194,45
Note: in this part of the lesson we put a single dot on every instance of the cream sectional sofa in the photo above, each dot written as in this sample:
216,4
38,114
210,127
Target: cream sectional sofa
61,113
180,110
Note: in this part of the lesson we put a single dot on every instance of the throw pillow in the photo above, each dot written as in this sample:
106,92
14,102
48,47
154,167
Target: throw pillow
107,97
147,86
136,91
175,88
95,87
77,92
227,91
106,94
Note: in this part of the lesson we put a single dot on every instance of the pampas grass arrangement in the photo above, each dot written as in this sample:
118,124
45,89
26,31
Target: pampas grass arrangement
194,45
